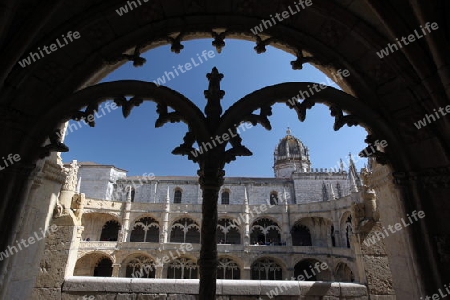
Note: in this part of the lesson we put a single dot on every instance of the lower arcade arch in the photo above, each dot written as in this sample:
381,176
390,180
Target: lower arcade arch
266,269
95,264
311,269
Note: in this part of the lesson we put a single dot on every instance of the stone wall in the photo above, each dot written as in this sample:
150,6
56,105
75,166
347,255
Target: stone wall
168,289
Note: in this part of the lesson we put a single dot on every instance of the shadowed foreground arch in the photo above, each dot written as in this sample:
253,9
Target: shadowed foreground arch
401,87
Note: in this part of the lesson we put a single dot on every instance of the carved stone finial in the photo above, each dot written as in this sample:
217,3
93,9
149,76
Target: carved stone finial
214,94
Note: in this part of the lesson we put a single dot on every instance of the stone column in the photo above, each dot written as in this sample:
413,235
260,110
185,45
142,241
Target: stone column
159,272
399,246
246,220
164,238
211,179
286,226
116,269
126,222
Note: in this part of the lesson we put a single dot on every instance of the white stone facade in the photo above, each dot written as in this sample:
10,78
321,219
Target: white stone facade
142,226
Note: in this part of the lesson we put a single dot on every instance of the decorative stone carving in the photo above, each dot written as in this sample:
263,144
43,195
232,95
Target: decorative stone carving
71,181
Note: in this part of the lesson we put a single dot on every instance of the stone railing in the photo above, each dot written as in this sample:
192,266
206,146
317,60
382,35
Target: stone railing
173,289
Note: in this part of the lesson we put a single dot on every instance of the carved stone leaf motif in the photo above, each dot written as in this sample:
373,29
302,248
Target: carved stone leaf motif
127,106
219,40
341,120
165,116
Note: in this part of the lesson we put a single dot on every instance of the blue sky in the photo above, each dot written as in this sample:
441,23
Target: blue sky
135,145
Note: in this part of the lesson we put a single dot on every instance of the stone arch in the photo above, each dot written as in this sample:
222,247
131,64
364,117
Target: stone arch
310,269
266,268
265,231
110,231
319,229
183,268
138,265
228,232
347,37
145,229
301,235
93,264
184,230
343,273
94,225
228,268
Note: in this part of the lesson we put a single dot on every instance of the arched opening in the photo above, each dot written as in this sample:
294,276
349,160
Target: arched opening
265,232
140,267
110,231
331,43
301,235
343,273
273,198
228,232
145,229
266,269
225,197
312,270
103,268
182,268
228,269
94,264
185,230
177,196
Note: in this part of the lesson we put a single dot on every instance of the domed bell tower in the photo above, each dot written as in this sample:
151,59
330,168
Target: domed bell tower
290,156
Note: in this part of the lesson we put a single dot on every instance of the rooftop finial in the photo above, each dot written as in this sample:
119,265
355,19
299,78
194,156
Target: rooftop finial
288,131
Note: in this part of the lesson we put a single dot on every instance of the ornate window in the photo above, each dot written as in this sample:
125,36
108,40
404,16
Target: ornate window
228,232
141,267
182,268
185,231
266,269
265,232
273,198
110,231
301,235
177,196
225,198
228,269
103,268
145,230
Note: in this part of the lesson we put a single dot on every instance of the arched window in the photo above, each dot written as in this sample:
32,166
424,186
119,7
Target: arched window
185,231
145,230
266,269
182,268
301,235
110,231
103,268
177,196
344,273
228,269
141,267
273,198
228,232
265,232
225,198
